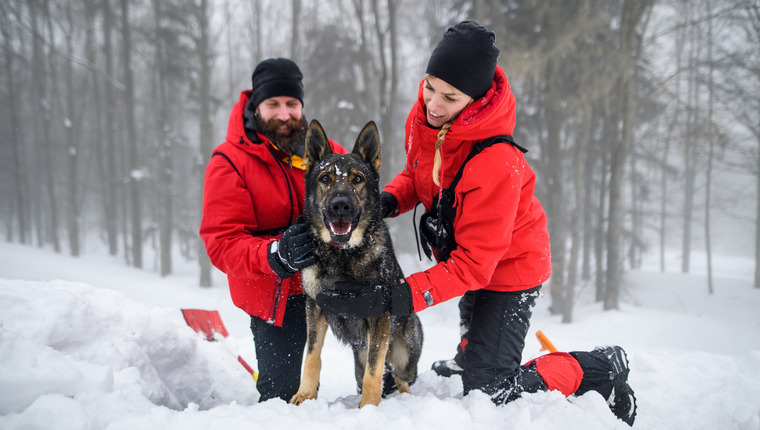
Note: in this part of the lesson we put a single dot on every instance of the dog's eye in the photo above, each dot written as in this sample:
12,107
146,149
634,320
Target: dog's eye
358,179
324,178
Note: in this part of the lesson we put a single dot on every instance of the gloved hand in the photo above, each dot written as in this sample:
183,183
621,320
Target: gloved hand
367,300
388,204
293,251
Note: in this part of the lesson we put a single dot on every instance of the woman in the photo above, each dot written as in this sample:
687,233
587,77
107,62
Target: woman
501,255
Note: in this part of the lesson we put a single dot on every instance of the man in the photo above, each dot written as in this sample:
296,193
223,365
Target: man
253,196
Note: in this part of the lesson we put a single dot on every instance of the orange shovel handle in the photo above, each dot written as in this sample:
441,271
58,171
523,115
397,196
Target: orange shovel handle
546,344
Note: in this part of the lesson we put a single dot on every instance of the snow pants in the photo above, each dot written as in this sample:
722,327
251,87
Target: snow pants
279,351
494,326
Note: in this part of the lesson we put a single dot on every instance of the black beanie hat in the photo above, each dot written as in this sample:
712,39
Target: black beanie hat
276,77
465,58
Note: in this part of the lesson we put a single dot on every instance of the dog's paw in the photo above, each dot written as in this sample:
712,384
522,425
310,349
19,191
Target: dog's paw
301,396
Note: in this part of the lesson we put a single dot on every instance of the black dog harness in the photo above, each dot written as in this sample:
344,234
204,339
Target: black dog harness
437,224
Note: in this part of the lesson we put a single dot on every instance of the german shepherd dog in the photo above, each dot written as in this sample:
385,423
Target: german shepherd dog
343,211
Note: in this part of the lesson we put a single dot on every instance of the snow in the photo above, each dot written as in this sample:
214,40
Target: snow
89,343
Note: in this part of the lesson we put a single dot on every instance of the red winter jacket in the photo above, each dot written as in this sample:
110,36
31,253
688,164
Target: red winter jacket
500,226
249,198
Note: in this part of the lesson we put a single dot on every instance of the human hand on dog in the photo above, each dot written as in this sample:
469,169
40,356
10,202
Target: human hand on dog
293,251
388,204
367,300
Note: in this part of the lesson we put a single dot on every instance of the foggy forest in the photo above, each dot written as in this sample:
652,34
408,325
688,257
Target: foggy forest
641,117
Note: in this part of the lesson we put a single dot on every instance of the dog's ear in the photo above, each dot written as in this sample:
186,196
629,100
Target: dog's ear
367,146
317,145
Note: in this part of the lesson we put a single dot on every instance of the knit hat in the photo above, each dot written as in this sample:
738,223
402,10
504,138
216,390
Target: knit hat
276,77
465,58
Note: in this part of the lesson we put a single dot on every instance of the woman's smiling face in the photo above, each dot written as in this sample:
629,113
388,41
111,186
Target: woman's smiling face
442,101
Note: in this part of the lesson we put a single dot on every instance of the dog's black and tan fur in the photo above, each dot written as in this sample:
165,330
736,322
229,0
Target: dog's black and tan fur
343,211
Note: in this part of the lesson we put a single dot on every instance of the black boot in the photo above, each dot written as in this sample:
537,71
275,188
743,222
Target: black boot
605,370
622,401
447,368
527,380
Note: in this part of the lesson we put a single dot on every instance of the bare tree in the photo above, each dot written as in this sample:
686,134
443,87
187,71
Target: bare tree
16,138
110,191
205,59
633,12
71,126
741,66
135,179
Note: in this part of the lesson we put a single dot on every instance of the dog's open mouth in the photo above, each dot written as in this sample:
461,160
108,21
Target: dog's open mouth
341,229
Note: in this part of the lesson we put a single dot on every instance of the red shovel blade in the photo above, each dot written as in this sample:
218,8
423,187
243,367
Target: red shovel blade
207,323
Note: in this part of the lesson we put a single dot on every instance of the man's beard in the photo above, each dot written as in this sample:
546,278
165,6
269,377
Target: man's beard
292,142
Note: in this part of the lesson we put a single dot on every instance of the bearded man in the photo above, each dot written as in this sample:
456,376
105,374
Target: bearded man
253,195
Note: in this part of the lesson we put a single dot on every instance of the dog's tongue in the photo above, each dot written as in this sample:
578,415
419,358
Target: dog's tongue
340,227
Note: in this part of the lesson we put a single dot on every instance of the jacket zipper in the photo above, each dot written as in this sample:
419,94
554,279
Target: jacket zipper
292,209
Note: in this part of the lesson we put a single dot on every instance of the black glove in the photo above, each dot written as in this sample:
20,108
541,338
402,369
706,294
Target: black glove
367,300
388,204
293,251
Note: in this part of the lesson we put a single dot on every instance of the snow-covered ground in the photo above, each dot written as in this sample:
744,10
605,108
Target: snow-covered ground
89,343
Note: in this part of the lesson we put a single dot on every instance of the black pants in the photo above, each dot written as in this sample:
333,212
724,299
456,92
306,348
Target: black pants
279,351
494,326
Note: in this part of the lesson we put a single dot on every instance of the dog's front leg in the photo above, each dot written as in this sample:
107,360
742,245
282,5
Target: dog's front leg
316,326
378,337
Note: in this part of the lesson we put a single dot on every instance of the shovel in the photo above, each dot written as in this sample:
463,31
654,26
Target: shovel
209,324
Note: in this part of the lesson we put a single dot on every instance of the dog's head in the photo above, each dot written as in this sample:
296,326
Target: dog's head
342,190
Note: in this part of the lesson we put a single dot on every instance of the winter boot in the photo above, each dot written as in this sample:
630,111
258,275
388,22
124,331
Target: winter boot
389,382
527,380
447,368
621,400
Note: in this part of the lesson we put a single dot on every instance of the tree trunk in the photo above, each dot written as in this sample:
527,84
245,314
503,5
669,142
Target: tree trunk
134,168
632,13
588,218
690,150
111,190
295,28
601,231
16,143
579,185
205,123
388,88
40,131
711,152
50,154
615,212
555,202
163,176
72,146
757,225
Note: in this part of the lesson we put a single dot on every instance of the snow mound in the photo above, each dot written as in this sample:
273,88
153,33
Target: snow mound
67,345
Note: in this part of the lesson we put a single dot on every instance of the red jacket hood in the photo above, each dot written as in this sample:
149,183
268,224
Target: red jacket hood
236,131
491,115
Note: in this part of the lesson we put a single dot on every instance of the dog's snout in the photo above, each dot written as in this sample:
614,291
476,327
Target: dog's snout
340,205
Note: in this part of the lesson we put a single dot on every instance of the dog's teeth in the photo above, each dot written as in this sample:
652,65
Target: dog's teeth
340,227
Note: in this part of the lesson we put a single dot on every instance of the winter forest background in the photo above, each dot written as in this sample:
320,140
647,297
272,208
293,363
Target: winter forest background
642,117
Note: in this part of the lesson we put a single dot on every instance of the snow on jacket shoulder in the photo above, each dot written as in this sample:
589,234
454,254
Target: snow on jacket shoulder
250,197
500,226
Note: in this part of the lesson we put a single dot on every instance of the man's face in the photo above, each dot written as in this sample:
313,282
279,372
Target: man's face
281,120
281,108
